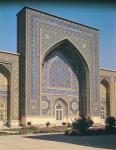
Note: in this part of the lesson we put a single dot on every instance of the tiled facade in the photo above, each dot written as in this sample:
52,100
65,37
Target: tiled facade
39,35
56,77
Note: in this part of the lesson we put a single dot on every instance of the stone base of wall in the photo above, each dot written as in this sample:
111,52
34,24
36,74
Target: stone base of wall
42,120
37,120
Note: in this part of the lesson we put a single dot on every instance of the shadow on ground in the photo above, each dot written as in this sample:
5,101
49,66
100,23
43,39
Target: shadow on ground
102,141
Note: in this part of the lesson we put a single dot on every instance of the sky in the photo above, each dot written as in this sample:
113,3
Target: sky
102,17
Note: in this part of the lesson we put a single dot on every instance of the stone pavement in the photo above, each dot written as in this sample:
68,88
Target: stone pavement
57,142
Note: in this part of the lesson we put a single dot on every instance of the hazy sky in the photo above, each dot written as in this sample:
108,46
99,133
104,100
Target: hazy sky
99,16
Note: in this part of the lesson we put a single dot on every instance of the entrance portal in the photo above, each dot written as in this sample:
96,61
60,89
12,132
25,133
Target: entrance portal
65,75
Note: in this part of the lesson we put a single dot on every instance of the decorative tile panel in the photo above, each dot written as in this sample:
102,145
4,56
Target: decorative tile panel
74,106
46,106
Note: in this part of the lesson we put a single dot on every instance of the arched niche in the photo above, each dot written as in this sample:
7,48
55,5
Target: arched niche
5,78
73,58
104,98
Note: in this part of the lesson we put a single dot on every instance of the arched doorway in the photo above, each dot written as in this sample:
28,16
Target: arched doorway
65,73
4,95
104,99
60,109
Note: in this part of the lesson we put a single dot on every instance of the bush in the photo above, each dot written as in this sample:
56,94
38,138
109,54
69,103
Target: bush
64,123
47,124
82,124
110,122
29,123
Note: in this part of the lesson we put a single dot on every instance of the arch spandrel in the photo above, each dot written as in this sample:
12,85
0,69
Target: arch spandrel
50,39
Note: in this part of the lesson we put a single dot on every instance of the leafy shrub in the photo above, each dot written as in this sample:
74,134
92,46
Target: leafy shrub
64,123
110,125
29,123
110,122
47,124
82,124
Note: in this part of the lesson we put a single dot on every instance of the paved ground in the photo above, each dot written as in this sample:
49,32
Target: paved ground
57,142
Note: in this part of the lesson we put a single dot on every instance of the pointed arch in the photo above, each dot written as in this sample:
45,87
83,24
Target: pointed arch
2,65
5,92
80,68
61,99
60,43
105,96
4,70
105,83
